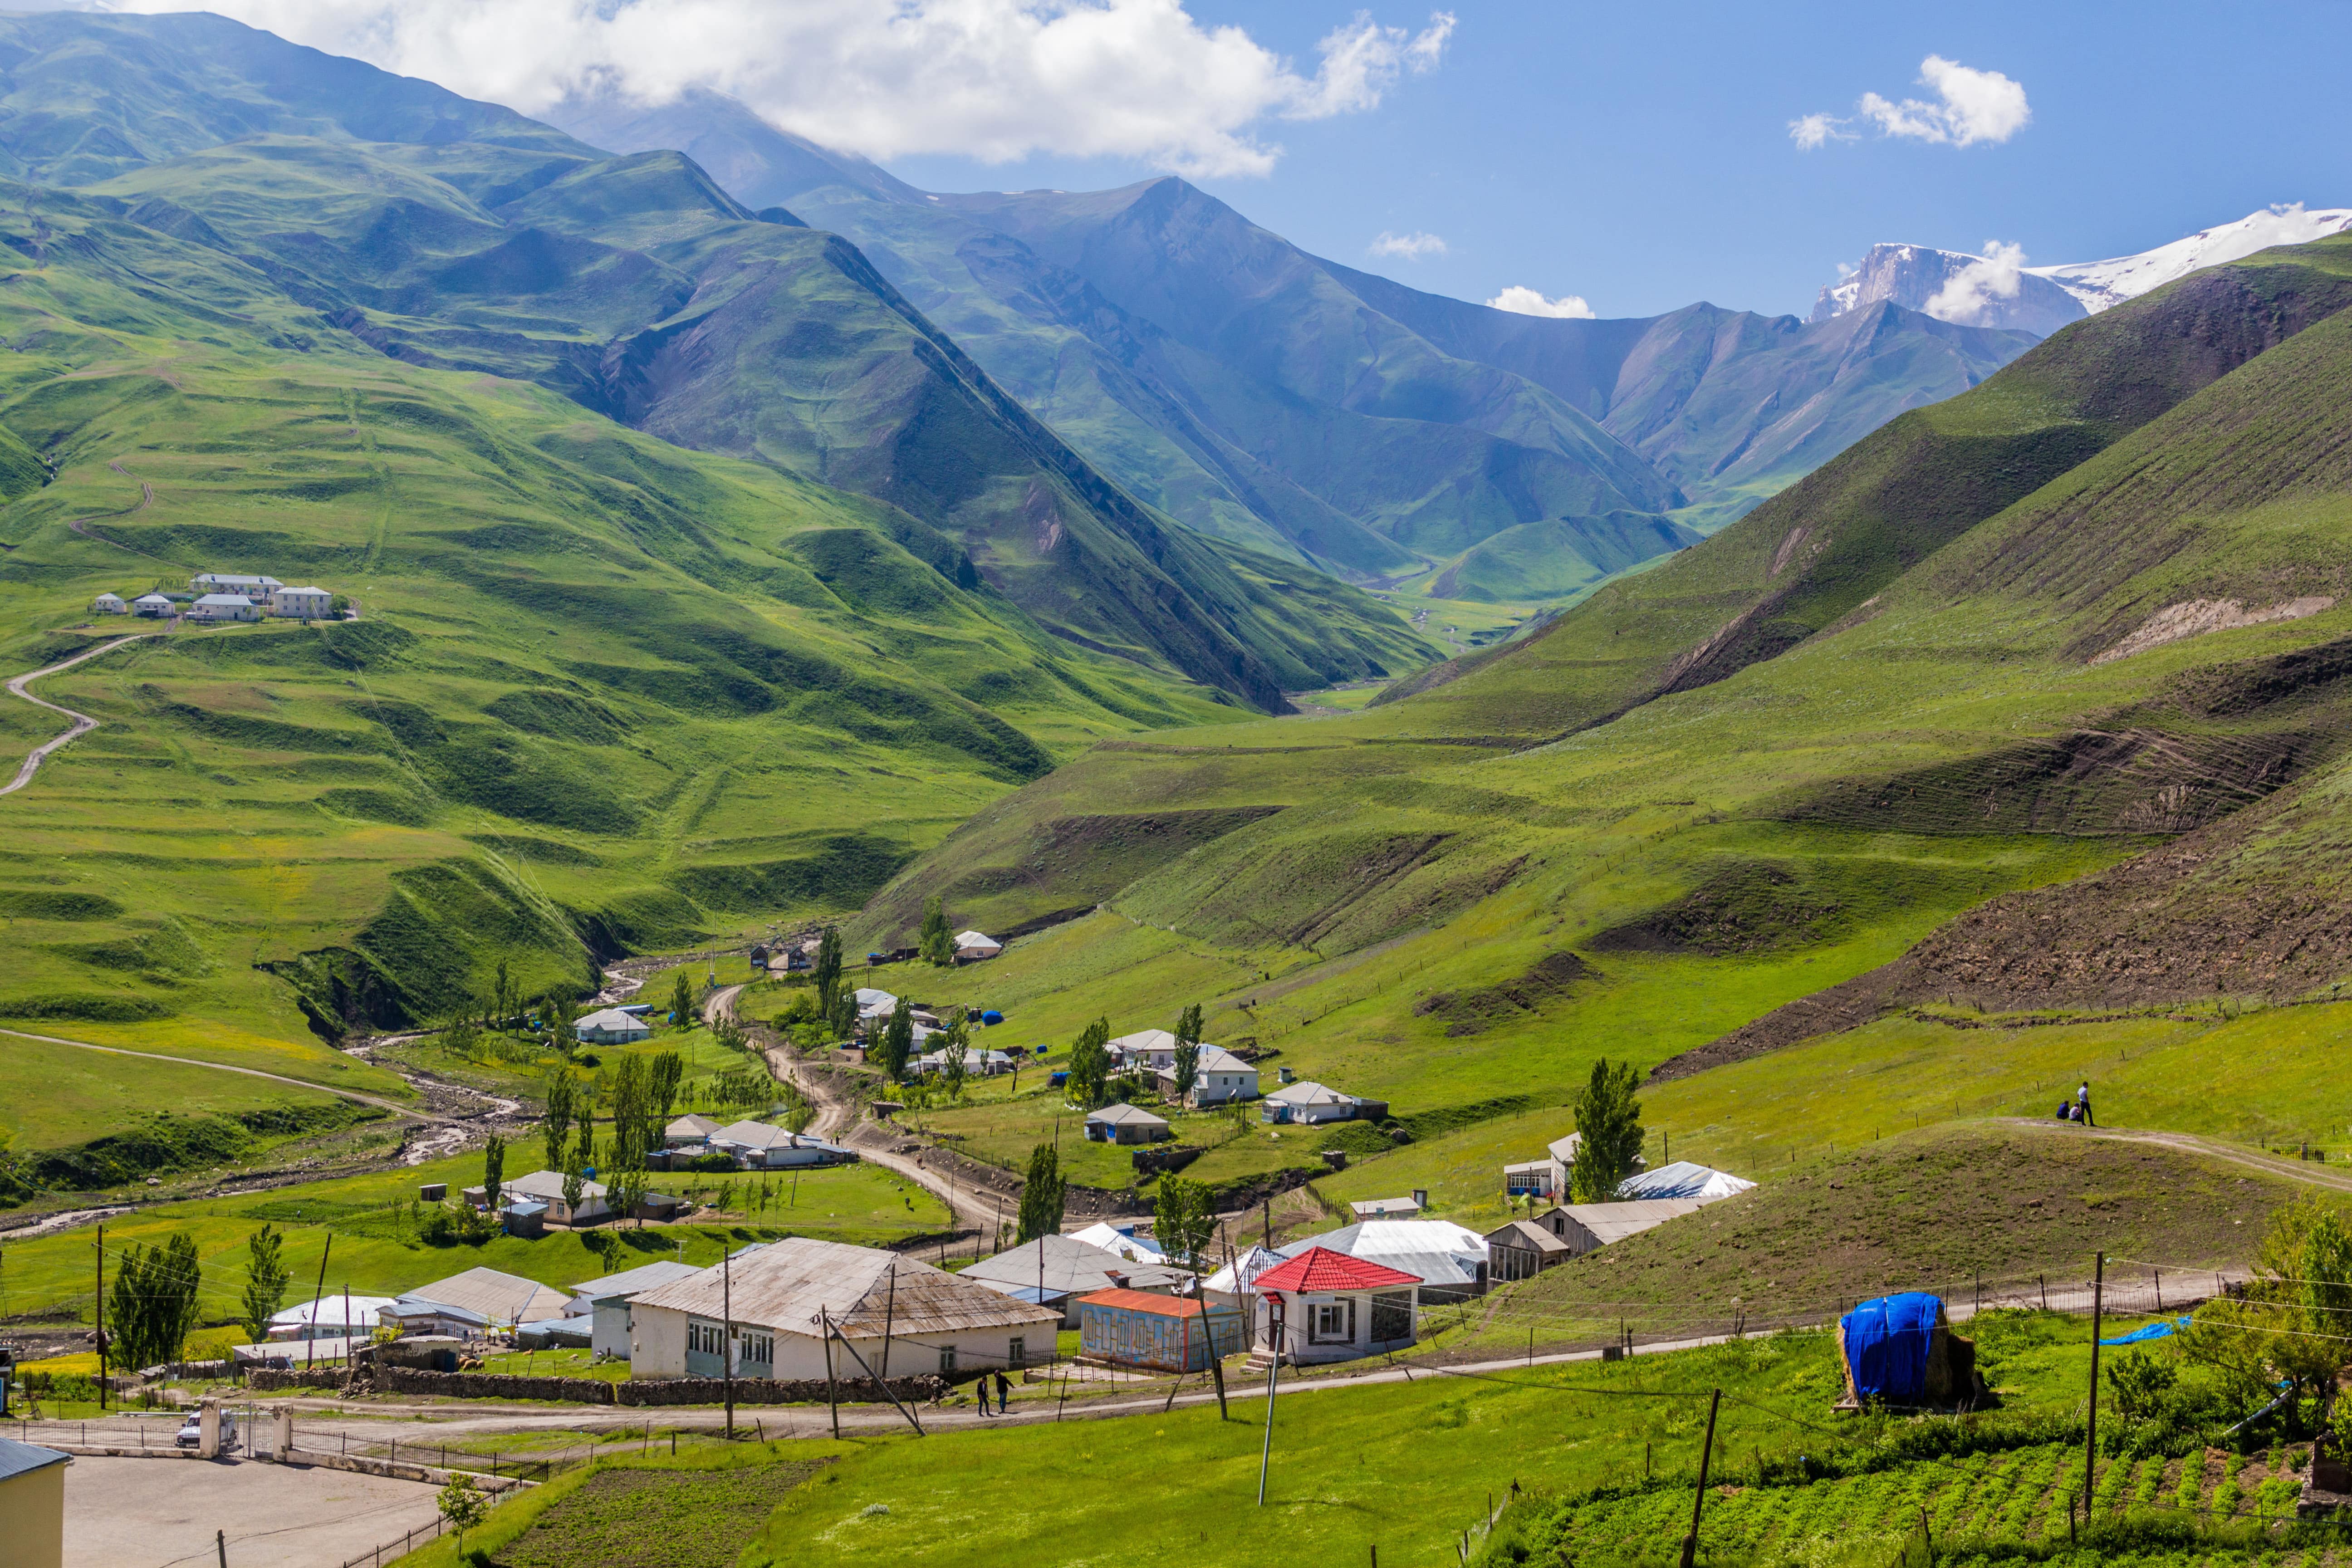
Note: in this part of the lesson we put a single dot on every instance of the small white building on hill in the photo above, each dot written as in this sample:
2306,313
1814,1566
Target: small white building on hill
223,607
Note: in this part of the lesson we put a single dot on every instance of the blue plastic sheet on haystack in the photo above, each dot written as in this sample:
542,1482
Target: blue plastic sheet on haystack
2153,1331
1886,1346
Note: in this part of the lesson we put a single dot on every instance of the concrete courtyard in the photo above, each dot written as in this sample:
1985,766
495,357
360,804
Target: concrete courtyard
157,1513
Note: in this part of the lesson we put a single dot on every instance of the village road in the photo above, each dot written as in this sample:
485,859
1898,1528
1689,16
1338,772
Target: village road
82,723
837,1119
165,1513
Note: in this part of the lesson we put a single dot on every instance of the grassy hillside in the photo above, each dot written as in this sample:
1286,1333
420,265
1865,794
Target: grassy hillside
1417,902
602,690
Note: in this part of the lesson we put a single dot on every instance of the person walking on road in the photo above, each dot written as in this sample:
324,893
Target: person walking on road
2083,1104
1003,1392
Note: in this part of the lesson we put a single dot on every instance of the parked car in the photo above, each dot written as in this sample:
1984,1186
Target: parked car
192,1432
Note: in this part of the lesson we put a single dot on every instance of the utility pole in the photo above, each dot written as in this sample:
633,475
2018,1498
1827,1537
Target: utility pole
832,1393
98,1316
727,1332
2091,1429
318,1294
1272,1376
1698,1500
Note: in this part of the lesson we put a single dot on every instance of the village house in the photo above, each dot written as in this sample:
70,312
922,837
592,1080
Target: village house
301,604
1522,1249
245,588
1325,1306
763,1314
1408,1208
547,1187
1448,1259
151,605
1162,1333
604,1302
1219,1077
757,1146
223,607
33,1503
1235,1285
1312,1104
1056,1270
1121,1240
109,605
971,946
1587,1227
690,1131
611,1026
329,1317
470,1304
1125,1123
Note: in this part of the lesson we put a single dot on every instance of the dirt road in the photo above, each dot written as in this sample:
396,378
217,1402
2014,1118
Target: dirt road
837,1120
82,723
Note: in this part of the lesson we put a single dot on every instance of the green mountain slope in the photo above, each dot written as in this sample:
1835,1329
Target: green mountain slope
2069,737
462,237
1267,396
603,692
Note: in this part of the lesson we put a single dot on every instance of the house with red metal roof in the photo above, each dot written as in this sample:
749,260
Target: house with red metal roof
1325,1306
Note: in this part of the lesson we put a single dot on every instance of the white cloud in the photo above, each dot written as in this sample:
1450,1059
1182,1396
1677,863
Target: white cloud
995,80
1812,131
1969,106
1522,301
1968,295
1410,247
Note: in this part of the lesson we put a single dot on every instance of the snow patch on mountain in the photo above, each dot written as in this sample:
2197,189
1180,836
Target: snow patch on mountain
1996,290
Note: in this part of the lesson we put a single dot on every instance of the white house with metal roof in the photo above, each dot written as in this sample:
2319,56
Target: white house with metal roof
233,582
471,1303
1309,1102
109,605
152,605
760,1146
301,604
1449,1259
547,1187
611,1026
764,1313
973,945
605,1301
223,607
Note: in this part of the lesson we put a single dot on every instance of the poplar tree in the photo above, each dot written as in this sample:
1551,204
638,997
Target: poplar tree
828,969
898,1040
265,1277
1090,1063
935,944
557,1124
1609,1132
1188,1050
1042,1193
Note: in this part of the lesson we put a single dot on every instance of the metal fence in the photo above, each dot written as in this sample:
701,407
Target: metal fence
390,1550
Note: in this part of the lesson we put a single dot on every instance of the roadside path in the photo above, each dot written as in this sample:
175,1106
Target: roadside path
82,723
837,1120
2335,1178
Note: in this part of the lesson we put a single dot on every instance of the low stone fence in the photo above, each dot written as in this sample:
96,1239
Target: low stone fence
591,1390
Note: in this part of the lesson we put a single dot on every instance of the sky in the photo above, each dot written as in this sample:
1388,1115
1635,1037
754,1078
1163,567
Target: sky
1553,155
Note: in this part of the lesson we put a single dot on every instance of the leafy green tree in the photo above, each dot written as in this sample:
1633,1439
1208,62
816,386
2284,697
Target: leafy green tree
1608,1129
584,1122
575,1188
2288,1324
842,1019
151,1306
463,1508
494,1168
560,1018
1184,1220
935,944
954,1044
828,970
898,1040
1188,1050
557,1125
1090,1063
681,1000
666,1071
265,1277
1042,1194
501,996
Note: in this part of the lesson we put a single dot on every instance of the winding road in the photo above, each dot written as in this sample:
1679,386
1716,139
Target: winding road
82,723
837,1120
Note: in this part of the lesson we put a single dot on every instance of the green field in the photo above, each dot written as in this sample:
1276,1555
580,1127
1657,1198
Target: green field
1598,1457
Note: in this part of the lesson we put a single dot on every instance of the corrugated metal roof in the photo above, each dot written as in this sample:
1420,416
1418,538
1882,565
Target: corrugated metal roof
1253,1261
1071,1267
1124,1115
23,1459
549,1185
784,1285
1310,1094
1141,1301
1526,1235
494,1296
1436,1251
629,1282
1615,1221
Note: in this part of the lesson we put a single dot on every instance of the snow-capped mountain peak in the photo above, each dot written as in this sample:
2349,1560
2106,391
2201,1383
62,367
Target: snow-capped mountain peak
1996,290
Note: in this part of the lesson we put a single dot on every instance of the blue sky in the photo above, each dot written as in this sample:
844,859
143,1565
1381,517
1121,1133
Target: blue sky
1639,155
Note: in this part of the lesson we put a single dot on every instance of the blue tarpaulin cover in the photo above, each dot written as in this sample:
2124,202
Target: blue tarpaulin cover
2153,1331
1886,1346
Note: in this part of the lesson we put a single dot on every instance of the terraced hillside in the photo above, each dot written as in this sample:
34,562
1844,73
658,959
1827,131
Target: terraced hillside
2111,648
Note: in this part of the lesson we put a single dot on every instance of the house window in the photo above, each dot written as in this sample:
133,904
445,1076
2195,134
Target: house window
1331,1322
947,1361
1017,1353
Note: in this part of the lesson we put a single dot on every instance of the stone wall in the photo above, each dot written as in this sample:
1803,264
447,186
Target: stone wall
590,1390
